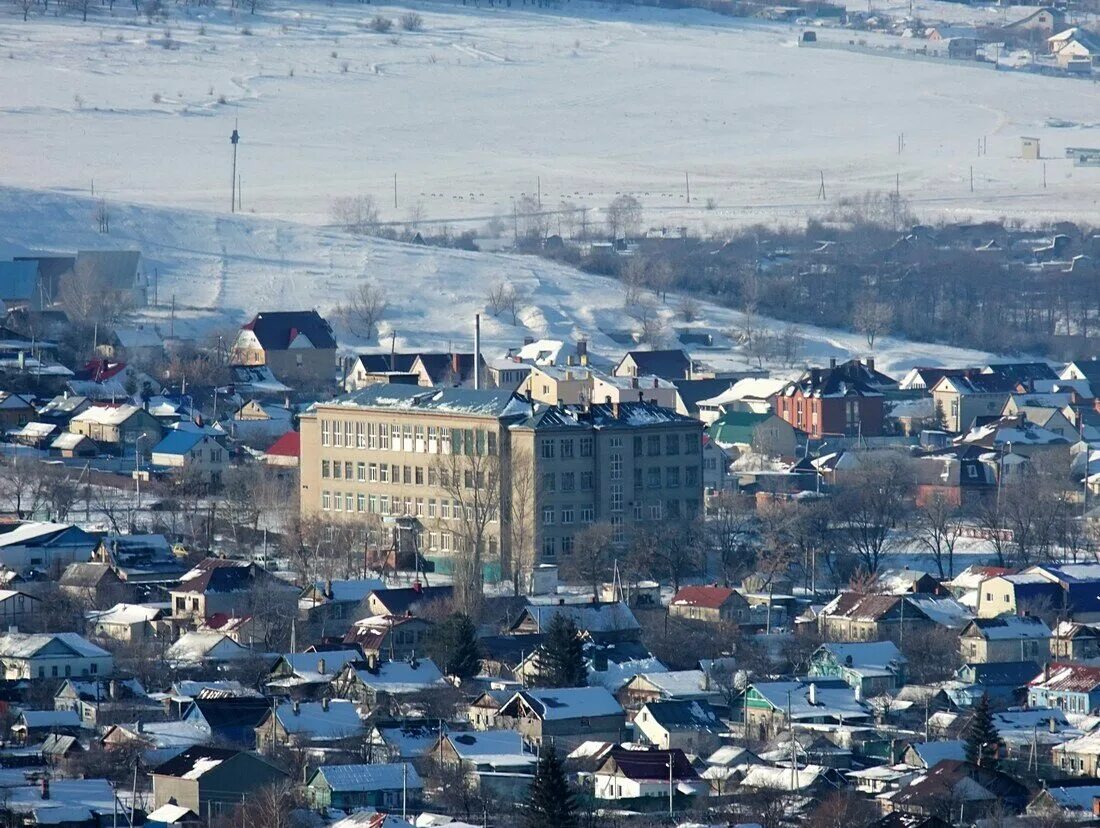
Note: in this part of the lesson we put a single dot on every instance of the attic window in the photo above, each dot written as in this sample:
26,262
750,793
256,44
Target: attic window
971,471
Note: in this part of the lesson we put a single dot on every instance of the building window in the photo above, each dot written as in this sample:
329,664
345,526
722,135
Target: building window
326,501
653,476
672,477
672,444
637,478
653,447
337,501
586,446
567,546
691,475
566,447
587,481
638,443
325,469
420,507
361,472
347,470
491,438
445,440
568,481
546,449
588,514
348,502
567,514
616,466
549,547
431,507
548,515
418,438
616,497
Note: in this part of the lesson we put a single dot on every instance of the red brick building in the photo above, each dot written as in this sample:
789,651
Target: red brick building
845,399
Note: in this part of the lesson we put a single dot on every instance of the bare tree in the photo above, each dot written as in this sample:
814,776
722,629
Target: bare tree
471,475
624,216
533,222
870,501
356,214
688,308
89,297
731,527
25,6
872,318
937,527
365,307
673,549
505,297
590,560
101,215
790,345
518,556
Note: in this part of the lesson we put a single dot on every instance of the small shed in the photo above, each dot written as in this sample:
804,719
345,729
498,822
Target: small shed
1029,148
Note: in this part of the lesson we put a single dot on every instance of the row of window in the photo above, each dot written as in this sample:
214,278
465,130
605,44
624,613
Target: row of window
407,437
407,475
644,445
373,504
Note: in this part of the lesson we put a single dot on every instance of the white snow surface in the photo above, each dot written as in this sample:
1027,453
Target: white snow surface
484,105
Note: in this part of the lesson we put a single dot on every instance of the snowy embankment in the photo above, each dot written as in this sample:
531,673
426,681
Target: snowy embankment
221,269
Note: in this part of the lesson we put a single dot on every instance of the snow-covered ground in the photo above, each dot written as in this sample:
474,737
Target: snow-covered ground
583,102
222,269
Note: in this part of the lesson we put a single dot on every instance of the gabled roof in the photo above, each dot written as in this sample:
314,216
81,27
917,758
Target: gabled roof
647,765
289,445
117,269
590,617
277,330
179,442
1073,678
709,597
882,655
1007,628
401,600
671,364
392,777
314,720
849,379
868,607
195,762
562,704
736,427
682,714
224,575
18,280
27,645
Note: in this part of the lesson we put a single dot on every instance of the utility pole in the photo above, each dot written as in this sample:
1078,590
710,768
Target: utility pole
395,191
687,187
971,178
233,139
821,189
538,190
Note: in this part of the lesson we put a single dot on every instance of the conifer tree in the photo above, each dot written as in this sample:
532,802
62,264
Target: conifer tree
452,645
550,803
560,659
983,742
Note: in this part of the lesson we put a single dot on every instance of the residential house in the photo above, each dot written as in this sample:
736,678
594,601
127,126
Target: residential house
713,604
117,426
204,650
746,432
1072,803
34,435
51,656
1074,642
383,684
401,740
717,474
308,675
406,600
141,559
332,724
298,346
667,685
352,787
16,411
1005,638
845,399
131,623
17,608
1078,757
772,706
854,616
336,600
32,726
194,454
956,789
70,445
1070,589
752,395
690,726
672,365
963,398
872,667
1074,48
604,623
221,585
284,452
1004,682
72,803
448,369
1044,19
568,716
1074,688
228,719
102,702
495,761
94,584
46,547
644,774
211,780
256,420
393,637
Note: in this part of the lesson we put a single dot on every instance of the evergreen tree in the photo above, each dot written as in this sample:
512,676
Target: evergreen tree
550,802
939,419
561,657
983,742
452,645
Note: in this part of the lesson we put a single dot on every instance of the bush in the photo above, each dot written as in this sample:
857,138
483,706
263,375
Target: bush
381,24
412,22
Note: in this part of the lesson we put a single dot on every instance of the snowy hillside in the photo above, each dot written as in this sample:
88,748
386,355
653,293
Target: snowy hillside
222,269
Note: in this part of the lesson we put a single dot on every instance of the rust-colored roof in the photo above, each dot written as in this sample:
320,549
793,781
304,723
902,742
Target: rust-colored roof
1069,677
860,607
711,597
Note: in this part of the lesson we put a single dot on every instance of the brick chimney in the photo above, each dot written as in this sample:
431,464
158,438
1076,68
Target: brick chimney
45,787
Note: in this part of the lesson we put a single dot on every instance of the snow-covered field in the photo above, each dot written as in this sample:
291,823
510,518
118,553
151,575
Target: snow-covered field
222,269
485,104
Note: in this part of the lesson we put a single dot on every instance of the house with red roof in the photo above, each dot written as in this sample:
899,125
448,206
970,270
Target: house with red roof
295,345
1074,688
713,604
285,451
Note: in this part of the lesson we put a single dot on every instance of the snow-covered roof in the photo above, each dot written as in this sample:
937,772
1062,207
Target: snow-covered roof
487,747
197,647
126,614
402,677
677,683
568,702
106,414
338,720
27,645
370,777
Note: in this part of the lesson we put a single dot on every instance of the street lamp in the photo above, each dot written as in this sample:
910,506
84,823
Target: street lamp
137,466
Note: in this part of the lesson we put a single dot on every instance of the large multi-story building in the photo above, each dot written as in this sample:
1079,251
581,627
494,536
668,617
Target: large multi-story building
520,476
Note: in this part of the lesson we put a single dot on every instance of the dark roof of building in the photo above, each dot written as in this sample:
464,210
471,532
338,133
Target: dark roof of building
194,760
872,607
1001,673
972,382
1022,371
221,575
939,784
386,363
509,649
18,280
275,330
88,575
692,391
232,711
457,401
682,714
672,364
604,416
117,269
408,599
848,379
445,368
652,764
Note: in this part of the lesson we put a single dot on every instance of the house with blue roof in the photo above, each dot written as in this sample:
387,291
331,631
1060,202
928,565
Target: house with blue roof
348,787
19,284
193,452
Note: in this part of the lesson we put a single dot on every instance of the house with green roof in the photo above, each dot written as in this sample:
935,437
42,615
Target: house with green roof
742,431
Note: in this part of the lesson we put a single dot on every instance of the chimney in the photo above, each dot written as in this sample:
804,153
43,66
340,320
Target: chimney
477,351
1052,724
561,403
569,359
324,704
561,602
296,707
812,695
455,364
641,396
328,588
112,689
615,409
656,382
45,787
870,362
372,664
528,340
633,382
582,350
139,726
832,362
416,587
321,666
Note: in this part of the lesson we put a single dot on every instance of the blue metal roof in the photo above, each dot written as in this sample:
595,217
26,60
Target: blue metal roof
179,442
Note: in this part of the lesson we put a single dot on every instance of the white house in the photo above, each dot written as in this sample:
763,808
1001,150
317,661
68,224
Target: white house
58,655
